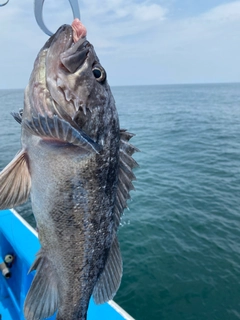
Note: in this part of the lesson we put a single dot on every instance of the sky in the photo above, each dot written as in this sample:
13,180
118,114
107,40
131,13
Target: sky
138,42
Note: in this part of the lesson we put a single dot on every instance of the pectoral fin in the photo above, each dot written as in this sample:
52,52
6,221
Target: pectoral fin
61,130
110,279
15,182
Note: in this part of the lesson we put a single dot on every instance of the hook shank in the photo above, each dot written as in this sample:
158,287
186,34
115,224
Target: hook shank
3,4
38,12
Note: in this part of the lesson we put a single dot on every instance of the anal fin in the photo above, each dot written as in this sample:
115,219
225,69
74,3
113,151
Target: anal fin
15,182
42,299
110,279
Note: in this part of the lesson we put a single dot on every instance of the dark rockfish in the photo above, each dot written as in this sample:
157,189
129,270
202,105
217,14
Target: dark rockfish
76,164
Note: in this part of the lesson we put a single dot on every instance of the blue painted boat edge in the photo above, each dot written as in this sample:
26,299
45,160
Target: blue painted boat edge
24,222
112,304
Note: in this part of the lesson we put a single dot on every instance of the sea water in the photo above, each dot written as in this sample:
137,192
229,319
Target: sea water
180,237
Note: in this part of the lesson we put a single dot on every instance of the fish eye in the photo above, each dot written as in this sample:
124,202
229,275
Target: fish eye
99,73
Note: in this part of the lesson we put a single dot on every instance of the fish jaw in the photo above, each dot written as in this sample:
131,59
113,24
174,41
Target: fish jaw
37,97
64,83
71,81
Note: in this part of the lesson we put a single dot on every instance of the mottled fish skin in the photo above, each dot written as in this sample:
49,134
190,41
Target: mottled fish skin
77,164
73,191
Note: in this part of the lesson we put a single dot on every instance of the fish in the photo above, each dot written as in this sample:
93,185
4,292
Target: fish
76,165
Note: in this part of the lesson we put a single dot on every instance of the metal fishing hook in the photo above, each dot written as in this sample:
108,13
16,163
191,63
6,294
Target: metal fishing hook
38,12
3,4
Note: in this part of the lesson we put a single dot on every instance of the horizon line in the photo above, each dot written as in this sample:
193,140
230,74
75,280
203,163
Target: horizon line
151,85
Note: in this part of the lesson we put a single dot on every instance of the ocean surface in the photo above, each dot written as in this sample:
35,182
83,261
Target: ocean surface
180,237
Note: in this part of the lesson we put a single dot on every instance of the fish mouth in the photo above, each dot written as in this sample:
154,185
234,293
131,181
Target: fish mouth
75,56
68,51
71,47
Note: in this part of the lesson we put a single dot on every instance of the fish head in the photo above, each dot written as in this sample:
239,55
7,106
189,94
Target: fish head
69,81
75,77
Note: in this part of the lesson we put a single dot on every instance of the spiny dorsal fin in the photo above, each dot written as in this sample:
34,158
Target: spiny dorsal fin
15,182
54,127
42,299
110,279
125,175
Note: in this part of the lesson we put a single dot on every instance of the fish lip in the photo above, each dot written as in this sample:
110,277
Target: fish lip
73,57
63,28
69,41
66,33
63,44
54,37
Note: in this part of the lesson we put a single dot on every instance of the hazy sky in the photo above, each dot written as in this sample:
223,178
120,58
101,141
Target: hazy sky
138,42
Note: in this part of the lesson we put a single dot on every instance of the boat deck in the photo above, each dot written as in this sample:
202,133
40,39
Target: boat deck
6,309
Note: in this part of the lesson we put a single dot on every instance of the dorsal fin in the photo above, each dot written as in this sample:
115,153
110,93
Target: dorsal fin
125,174
18,115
